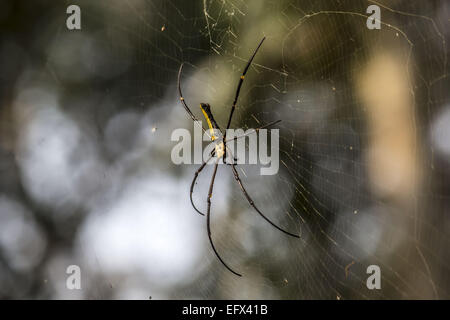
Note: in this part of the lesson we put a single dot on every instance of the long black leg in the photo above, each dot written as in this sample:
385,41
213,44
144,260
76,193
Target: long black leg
188,110
238,90
244,135
195,179
208,214
255,130
241,80
250,201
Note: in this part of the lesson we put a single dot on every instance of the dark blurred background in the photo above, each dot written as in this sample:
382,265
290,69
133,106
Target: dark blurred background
86,178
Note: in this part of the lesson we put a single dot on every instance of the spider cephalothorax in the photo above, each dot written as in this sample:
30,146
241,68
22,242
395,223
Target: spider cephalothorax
220,152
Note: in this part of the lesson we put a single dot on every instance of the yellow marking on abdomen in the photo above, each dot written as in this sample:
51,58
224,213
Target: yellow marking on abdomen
211,128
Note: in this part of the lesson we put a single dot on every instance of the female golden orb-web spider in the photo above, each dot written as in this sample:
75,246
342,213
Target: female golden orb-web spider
220,152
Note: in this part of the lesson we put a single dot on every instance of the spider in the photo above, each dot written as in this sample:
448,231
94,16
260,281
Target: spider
220,152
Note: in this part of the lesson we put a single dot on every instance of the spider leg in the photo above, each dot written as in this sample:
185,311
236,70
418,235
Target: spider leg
241,80
208,214
186,107
253,131
250,201
195,179
238,90
229,164
246,134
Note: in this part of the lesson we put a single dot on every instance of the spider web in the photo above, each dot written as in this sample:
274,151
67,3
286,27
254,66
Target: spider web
317,72
316,51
